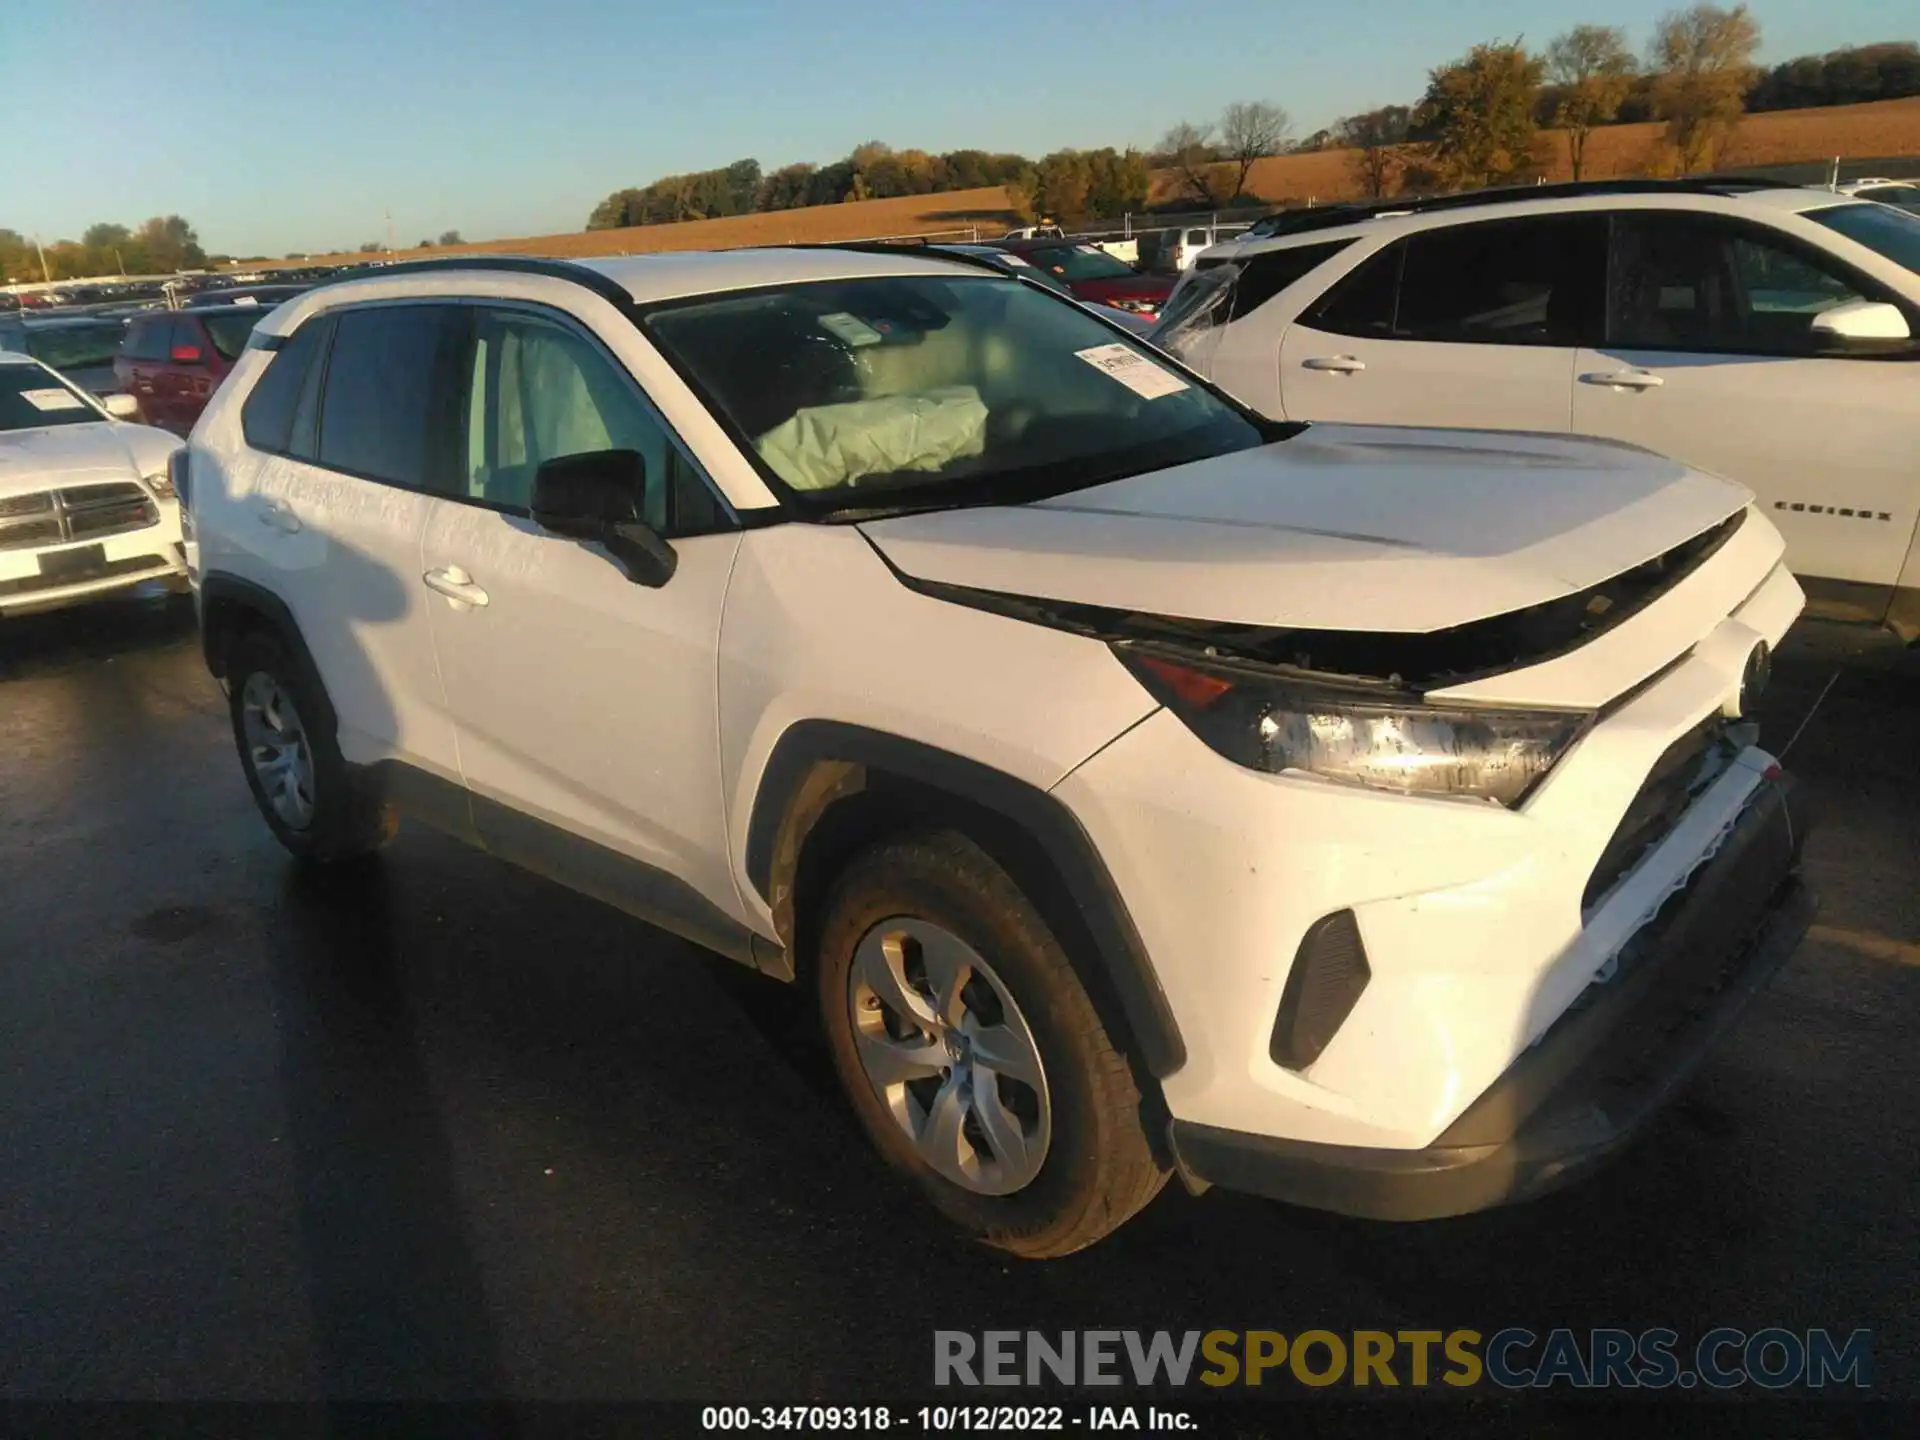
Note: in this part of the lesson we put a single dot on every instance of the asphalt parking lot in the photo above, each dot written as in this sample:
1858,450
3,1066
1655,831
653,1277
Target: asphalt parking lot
444,1130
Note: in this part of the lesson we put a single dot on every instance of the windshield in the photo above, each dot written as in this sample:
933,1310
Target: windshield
229,332
1892,233
922,390
75,347
1074,263
31,398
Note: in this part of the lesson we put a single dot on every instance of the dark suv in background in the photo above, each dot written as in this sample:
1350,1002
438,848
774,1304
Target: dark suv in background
80,347
172,361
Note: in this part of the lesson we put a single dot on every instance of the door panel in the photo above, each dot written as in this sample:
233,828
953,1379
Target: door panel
1464,325
345,556
1711,359
1408,382
583,699
343,516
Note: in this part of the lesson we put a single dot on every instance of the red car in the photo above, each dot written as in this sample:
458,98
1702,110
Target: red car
172,361
1093,275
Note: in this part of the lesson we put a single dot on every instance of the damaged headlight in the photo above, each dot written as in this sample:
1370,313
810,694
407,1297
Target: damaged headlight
1276,724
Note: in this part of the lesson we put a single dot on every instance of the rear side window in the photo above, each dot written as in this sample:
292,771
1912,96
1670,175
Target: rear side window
1507,282
386,392
1265,275
267,417
1362,303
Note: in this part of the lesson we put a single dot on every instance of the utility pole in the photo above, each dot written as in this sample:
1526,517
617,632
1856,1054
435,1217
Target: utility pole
389,232
45,275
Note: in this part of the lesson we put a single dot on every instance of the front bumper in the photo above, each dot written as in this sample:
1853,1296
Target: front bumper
135,557
1582,1091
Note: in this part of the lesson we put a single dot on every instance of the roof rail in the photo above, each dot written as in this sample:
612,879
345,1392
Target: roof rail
1293,222
894,247
582,275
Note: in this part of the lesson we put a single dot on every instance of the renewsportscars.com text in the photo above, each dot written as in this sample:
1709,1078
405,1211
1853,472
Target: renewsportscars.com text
1513,1358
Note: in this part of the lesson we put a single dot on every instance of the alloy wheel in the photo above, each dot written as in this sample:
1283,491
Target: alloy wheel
950,1055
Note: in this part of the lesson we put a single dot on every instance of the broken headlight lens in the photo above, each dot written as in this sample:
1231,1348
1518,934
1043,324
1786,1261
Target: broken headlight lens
1278,725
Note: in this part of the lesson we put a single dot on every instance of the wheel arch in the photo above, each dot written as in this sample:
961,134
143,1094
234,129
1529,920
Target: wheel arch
231,606
830,789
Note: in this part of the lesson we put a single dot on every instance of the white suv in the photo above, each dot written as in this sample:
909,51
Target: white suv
1358,816
1764,334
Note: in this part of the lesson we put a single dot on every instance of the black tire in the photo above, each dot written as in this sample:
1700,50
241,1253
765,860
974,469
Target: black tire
1099,1169
345,822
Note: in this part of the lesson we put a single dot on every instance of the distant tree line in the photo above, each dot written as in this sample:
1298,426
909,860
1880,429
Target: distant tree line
160,246
1481,119
873,171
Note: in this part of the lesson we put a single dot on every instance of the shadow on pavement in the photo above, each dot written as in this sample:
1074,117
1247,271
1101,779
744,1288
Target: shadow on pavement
53,640
399,1307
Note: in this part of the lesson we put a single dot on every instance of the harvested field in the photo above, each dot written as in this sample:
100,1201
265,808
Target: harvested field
1886,127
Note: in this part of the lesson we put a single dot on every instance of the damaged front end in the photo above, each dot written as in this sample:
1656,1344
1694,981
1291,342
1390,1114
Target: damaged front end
1350,706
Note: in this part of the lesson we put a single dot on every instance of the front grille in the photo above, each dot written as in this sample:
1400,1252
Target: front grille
1677,777
79,512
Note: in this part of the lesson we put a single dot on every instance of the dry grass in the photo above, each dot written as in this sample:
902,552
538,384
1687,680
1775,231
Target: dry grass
1886,127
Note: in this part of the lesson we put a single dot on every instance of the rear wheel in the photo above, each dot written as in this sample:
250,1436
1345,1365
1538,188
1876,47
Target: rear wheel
972,1054
293,766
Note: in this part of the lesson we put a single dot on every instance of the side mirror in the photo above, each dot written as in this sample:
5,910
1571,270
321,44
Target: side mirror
600,497
121,407
1861,326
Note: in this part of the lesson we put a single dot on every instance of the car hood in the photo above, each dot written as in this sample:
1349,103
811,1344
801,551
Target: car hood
58,455
1343,527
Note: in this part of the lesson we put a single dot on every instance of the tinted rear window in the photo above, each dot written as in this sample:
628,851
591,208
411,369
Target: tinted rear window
1505,282
147,339
1265,275
267,417
383,377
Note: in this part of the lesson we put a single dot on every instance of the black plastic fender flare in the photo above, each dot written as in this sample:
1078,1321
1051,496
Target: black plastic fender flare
816,763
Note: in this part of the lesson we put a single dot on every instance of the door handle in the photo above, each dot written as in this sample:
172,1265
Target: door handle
1339,364
456,585
1623,379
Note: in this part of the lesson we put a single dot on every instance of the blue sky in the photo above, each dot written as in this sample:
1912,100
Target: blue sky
281,124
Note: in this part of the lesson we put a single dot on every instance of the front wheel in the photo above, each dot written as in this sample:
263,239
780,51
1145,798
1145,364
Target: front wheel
293,765
972,1054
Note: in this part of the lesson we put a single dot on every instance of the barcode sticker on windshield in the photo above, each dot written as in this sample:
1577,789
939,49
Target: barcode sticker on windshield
51,399
850,328
1133,370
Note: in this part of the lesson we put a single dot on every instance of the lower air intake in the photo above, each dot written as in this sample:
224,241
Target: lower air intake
1329,973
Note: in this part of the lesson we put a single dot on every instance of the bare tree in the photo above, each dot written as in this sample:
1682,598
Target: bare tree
1375,137
1593,69
1703,61
1251,130
1190,154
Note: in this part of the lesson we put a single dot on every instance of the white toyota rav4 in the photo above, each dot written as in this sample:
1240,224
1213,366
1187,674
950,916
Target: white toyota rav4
1358,816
